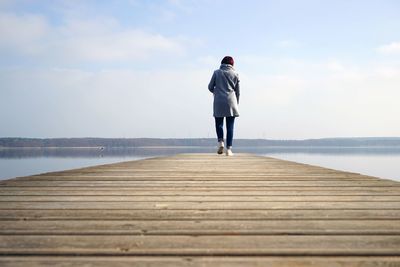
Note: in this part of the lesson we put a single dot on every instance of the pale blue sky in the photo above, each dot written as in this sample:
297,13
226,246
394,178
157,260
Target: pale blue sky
308,69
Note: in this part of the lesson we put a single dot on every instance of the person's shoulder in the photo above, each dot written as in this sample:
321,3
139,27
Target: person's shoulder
233,70
217,71
236,74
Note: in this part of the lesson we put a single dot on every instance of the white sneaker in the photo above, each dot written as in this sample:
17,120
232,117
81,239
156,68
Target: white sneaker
220,148
229,152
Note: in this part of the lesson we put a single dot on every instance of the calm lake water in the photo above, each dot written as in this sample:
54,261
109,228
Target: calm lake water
383,162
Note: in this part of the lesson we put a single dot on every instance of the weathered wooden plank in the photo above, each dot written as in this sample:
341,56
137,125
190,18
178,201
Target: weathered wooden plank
194,171
192,178
179,167
37,191
197,261
202,183
205,188
198,214
277,245
251,175
187,175
262,166
233,205
155,198
203,227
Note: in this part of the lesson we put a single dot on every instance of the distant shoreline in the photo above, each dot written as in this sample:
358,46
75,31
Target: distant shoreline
164,147
102,143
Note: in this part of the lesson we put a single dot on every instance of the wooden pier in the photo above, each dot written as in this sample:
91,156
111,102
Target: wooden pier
200,210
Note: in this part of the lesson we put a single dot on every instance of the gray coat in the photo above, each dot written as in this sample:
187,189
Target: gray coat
224,85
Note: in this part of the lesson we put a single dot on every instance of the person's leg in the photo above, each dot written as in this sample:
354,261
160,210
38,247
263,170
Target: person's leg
230,121
219,127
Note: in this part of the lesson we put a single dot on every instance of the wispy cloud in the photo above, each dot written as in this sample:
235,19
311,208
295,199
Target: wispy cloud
97,42
22,33
77,40
335,65
392,48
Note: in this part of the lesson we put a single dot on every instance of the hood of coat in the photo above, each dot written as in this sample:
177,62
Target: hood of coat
226,67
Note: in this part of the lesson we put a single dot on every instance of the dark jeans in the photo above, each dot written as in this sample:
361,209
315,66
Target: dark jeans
219,126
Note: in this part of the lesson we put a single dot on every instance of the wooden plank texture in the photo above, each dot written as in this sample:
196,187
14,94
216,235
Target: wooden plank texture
200,210
197,261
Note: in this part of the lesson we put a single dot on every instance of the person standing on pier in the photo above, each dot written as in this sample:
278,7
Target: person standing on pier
225,87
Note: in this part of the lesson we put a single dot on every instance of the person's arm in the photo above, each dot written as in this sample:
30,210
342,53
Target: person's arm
237,89
211,85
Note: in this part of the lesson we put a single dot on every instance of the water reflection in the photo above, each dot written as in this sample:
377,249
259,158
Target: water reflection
96,152
163,151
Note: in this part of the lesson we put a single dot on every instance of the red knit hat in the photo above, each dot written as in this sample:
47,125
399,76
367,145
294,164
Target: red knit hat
227,60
